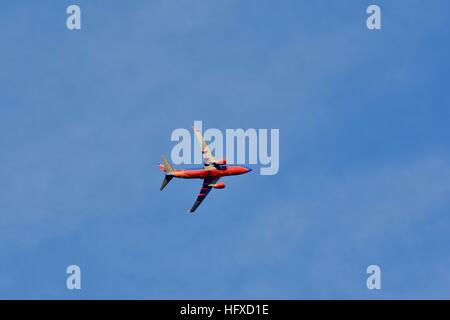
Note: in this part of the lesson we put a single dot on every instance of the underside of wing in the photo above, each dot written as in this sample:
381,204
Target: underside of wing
205,189
208,158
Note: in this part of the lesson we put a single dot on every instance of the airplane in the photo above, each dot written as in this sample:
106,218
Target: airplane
211,172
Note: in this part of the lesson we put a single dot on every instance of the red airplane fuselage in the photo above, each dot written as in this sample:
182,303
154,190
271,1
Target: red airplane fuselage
210,173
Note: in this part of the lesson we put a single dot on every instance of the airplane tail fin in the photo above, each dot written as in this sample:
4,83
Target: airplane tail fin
167,168
166,165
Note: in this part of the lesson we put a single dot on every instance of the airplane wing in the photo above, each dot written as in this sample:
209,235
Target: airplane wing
206,188
208,159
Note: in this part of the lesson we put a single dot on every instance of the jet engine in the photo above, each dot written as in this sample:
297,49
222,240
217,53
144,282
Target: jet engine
221,162
219,185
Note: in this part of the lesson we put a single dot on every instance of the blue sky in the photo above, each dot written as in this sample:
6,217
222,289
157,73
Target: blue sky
364,153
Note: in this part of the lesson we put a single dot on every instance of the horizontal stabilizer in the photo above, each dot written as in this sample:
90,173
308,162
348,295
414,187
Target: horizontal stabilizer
166,180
